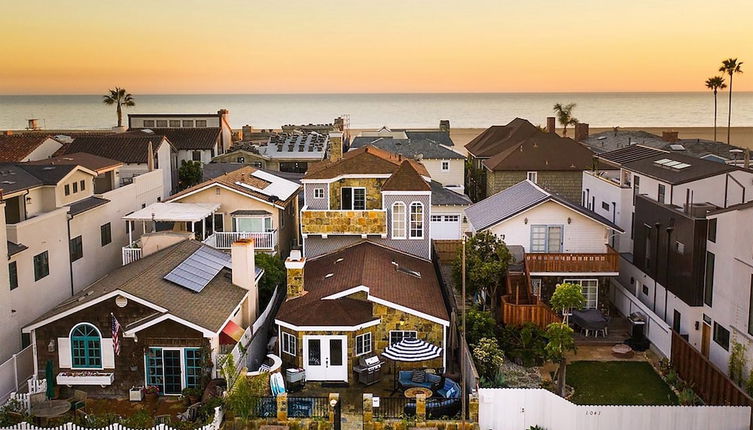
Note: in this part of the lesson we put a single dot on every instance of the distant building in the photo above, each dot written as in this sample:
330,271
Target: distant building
27,147
285,152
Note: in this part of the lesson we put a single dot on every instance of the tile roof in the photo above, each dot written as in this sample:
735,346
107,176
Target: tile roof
191,138
441,196
516,199
409,148
363,264
86,204
698,168
130,147
406,178
260,181
89,161
16,147
363,161
144,279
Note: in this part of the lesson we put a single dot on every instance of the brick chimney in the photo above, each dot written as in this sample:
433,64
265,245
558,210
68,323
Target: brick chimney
581,131
336,146
243,260
294,267
551,124
670,136
444,125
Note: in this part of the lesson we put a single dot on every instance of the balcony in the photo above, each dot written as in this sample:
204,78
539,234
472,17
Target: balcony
131,253
339,222
571,263
265,241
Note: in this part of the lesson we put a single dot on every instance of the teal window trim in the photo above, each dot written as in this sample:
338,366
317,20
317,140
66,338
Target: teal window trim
153,368
86,347
192,364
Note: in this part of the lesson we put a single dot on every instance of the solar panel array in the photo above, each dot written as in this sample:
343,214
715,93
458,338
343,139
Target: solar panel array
196,271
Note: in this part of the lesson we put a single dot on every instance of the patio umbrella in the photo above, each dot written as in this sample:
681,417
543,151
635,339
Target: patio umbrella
50,379
410,350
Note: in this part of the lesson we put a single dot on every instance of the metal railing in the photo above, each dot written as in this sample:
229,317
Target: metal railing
225,239
392,408
308,407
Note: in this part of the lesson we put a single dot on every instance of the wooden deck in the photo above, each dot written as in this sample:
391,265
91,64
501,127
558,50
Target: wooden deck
573,262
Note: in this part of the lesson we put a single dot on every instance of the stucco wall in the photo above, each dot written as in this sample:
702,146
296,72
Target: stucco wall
454,176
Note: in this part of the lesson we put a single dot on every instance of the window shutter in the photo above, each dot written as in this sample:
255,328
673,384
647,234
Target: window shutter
108,355
64,353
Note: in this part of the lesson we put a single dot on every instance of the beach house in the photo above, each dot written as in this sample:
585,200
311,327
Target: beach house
215,133
27,147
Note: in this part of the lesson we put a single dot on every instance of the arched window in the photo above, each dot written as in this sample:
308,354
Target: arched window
416,220
86,346
398,220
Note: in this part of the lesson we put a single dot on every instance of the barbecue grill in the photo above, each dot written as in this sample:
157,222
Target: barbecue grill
369,370
295,379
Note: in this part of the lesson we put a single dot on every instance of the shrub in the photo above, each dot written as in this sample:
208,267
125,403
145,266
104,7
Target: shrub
139,420
478,324
524,345
488,357
274,275
737,362
498,381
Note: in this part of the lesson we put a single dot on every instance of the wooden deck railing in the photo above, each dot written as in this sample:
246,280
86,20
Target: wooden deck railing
573,262
537,313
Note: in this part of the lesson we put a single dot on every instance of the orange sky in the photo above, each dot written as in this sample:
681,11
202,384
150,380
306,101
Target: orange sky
291,46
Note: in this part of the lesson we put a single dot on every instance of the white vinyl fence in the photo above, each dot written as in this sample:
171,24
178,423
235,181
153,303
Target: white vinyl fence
519,409
214,425
15,371
656,330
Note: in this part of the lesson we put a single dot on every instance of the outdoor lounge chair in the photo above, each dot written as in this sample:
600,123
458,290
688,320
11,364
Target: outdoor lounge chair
408,379
447,402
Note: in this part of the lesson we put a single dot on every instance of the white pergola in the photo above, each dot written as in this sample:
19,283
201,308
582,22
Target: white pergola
172,212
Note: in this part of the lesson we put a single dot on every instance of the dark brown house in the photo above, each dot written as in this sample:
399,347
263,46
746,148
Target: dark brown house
175,308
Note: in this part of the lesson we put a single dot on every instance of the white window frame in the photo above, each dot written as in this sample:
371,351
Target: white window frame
362,338
532,176
411,221
402,334
591,303
319,193
262,217
546,238
445,165
289,344
399,231
353,198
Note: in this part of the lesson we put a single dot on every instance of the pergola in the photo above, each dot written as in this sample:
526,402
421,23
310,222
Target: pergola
172,212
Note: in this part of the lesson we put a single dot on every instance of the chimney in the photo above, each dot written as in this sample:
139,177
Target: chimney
294,267
149,157
581,131
746,159
444,125
670,136
244,272
551,124
336,146
224,113
339,124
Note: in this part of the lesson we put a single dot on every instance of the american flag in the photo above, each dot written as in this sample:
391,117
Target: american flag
115,340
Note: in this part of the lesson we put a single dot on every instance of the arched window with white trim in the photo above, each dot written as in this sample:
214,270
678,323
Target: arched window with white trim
86,347
398,220
416,220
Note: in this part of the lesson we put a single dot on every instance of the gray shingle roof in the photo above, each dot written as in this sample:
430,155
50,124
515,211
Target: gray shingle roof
437,136
442,196
14,178
84,205
699,168
15,248
408,147
516,199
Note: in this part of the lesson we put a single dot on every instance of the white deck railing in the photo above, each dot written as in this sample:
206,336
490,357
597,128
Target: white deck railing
225,239
130,254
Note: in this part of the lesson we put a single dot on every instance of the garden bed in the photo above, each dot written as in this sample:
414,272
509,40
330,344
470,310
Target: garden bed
618,383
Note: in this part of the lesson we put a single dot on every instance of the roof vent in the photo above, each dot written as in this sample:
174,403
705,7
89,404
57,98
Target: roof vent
329,275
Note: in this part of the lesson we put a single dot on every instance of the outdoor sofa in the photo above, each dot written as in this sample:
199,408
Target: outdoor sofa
445,403
412,378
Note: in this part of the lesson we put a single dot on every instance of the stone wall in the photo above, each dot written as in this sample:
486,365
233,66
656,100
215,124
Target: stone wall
344,222
568,184
373,191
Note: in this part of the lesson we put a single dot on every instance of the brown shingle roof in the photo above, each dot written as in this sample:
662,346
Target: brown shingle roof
128,147
364,161
89,161
191,138
497,138
144,278
370,265
17,147
406,179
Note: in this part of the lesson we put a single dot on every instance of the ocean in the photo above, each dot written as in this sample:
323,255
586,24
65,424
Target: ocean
467,110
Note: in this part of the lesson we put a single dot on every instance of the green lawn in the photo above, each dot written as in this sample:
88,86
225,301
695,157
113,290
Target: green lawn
617,383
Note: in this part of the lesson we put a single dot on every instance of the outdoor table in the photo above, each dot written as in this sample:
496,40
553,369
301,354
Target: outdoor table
50,409
590,319
412,392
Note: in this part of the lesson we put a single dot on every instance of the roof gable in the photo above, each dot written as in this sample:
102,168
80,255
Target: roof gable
406,178
18,147
367,160
131,147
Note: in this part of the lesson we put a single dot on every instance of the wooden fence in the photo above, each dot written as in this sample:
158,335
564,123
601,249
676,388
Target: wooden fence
707,380
538,313
447,250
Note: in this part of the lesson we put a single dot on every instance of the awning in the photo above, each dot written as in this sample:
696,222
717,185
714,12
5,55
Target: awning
232,333
176,212
412,350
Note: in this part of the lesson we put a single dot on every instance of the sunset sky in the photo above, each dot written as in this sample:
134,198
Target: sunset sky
328,46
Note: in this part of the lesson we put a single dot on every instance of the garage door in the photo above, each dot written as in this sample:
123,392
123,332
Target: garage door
445,226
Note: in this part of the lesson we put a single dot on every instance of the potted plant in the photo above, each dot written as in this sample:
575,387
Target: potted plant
151,393
191,395
136,394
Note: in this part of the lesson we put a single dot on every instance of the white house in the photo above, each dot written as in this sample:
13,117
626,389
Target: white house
166,122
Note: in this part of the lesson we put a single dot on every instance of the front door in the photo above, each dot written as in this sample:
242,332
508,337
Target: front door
173,375
705,340
325,358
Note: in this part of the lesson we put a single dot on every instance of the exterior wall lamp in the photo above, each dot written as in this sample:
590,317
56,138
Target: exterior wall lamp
51,346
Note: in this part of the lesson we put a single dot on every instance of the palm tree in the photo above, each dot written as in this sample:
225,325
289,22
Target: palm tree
715,84
565,116
730,66
119,97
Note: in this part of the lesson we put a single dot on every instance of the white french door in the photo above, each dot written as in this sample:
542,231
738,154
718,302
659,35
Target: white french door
325,358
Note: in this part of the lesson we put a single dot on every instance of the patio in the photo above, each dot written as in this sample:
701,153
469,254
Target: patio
618,330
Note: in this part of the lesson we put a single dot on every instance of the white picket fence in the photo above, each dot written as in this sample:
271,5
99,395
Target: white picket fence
15,371
517,408
214,425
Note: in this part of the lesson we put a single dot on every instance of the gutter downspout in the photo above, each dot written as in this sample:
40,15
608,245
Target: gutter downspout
669,237
69,217
656,264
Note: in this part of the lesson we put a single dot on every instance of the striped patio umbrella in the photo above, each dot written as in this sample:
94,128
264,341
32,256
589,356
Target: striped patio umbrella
412,350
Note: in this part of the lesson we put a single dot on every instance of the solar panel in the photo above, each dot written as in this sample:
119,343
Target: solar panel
196,271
